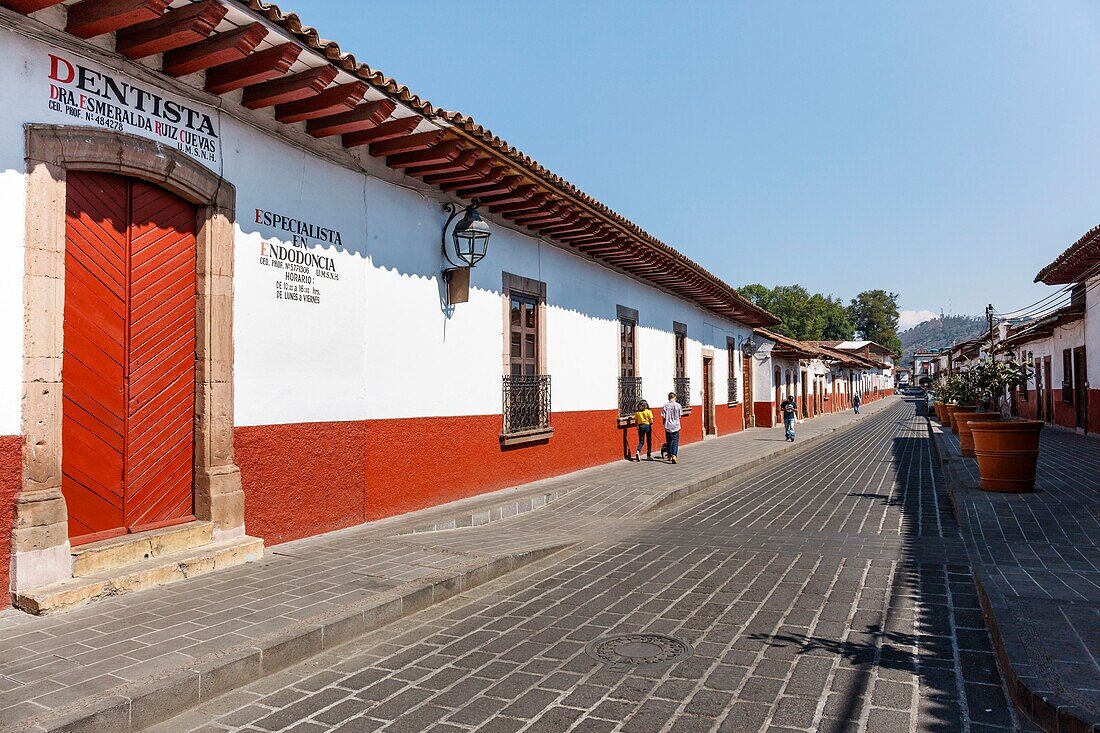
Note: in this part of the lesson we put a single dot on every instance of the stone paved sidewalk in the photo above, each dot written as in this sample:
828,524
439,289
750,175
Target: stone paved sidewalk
1036,559
124,663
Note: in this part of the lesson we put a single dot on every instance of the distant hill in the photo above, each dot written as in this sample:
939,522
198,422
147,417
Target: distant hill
939,333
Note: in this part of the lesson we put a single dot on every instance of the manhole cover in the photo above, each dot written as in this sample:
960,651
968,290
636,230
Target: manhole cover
638,650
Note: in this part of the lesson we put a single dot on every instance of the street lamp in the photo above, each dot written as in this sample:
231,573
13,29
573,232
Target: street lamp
470,242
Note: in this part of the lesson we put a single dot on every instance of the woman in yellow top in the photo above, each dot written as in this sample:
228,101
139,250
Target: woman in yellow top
643,418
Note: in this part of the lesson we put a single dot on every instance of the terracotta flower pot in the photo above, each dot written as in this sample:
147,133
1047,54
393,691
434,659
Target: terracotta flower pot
938,408
1007,453
956,409
965,421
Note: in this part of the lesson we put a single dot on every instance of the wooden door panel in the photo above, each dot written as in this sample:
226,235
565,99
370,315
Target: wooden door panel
93,410
161,405
129,368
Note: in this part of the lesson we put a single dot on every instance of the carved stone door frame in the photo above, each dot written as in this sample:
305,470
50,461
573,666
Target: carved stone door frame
40,544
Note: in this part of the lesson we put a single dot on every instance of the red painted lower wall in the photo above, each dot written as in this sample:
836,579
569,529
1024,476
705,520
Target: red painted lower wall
11,480
1064,415
765,414
303,479
729,419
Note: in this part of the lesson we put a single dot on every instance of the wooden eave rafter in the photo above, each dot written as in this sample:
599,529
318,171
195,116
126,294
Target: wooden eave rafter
462,163
522,193
444,151
533,204
506,184
340,98
389,130
478,172
259,67
28,6
407,144
364,117
90,18
288,89
175,29
218,49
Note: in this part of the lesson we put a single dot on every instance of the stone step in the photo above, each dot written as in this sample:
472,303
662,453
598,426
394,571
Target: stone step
117,552
162,570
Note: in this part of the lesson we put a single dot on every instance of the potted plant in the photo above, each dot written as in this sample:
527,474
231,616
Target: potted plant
1007,450
981,382
947,391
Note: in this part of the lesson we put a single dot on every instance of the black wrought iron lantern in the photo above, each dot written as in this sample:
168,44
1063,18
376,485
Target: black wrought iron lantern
749,346
468,246
469,237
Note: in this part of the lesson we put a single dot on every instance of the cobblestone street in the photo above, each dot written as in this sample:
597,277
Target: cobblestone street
827,591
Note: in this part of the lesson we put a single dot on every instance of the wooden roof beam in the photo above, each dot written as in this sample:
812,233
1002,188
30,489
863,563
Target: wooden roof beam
259,67
483,170
339,98
175,29
509,210
559,212
520,194
389,130
494,175
289,88
445,151
90,18
461,163
407,144
364,117
218,49
505,185
598,234
566,228
28,6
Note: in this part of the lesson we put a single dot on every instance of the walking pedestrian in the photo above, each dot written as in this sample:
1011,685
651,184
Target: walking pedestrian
671,413
643,418
856,402
790,411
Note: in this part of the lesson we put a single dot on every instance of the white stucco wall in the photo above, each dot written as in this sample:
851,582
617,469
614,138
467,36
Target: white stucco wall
378,344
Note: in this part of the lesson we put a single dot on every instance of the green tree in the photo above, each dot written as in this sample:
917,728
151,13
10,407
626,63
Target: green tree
804,316
837,326
874,313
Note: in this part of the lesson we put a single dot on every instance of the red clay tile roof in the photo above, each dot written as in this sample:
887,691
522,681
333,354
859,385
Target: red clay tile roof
1079,262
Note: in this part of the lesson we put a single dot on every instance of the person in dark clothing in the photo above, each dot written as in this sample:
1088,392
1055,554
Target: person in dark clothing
789,410
856,402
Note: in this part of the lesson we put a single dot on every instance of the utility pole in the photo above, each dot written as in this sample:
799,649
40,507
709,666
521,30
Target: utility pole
989,317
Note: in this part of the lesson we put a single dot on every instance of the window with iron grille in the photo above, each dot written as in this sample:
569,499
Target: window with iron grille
526,403
525,390
630,384
1067,376
732,366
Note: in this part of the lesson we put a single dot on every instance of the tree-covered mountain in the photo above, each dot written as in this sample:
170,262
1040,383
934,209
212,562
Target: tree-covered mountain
940,333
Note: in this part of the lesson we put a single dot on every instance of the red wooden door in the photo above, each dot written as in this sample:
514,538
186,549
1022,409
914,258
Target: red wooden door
129,365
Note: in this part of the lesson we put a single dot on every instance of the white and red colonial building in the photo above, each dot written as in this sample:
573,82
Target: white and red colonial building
223,301
1062,347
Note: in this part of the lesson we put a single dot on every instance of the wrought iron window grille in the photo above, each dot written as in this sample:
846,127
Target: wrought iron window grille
526,403
630,394
682,388
732,394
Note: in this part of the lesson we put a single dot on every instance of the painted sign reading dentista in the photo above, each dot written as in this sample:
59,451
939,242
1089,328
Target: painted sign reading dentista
103,99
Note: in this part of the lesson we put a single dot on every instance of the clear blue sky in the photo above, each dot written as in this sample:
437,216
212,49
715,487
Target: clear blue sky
940,149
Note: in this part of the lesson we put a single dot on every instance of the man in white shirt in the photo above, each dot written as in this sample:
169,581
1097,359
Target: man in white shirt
671,413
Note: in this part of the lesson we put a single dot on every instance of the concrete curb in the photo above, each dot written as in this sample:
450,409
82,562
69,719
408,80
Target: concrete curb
140,704
1046,709
798,447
